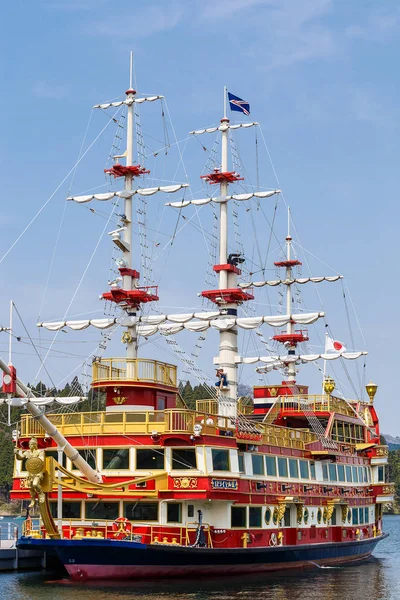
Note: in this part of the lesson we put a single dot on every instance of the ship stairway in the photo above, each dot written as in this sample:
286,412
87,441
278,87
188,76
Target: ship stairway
317,427
273,412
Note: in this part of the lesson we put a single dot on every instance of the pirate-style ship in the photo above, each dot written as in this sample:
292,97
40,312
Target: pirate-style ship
291,481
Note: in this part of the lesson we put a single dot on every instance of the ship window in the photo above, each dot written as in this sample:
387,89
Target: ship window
325,471
107,511
141,511
241,462
365,474
303,469
149,459
255,516
355,474
174,512
220,460
312,470
360,474
293,468
270,463
184,458
340,472
349,477
258,464
286,517
332,472
238,516
89,456
54,454
333,517
116,459
70,510
268,515
361,511
190,511
381,474
355,516
366,515
282,467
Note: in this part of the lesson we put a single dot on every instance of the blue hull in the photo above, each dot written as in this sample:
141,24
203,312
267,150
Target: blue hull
114,559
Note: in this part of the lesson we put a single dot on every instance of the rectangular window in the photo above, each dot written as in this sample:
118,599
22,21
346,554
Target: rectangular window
340,472
381,474
258,464
360,474
183,458
303,469
54,454
293,468
255,516
220,460
282,467
349,477
174,512
355,516
286,517
361,516
149,459
238,516
190,511
89,456
333,517
270,463
241,462
365,474
312,470
366,515
355,474
103,510
116,459
325,471
332,472
141,511
70,510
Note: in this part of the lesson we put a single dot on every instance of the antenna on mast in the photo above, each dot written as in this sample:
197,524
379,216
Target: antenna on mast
225,96
130,69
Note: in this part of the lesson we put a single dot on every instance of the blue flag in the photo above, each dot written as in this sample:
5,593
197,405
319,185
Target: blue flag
238,104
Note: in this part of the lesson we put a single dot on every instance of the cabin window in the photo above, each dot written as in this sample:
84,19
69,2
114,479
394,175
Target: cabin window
360,474
174,512
258,464
381,474
325,471
184,458
238,516
89,456
349,477
270,463
286,517
149,459
365,474
361,516
103,510
332,472
54,454
312,470
220,460
190,511
70,510
141,511
241,462
354,516
303,469
355,474
340,472
333,517
366,515
282,467
268,515
116,459
293,468
255,516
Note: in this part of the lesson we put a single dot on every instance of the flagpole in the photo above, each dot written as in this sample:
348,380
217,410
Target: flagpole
225,95
324,373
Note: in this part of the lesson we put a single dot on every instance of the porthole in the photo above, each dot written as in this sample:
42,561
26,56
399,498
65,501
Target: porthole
319,515
268,515
306,515
325,515
349,516
275,516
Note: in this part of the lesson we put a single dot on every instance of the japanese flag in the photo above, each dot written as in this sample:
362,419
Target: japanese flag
334,345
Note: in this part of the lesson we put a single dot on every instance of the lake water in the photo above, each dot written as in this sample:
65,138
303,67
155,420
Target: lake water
376,579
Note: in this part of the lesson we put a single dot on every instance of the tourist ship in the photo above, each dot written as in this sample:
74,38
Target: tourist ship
150,488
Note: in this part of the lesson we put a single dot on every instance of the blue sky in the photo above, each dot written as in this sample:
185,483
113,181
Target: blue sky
322,79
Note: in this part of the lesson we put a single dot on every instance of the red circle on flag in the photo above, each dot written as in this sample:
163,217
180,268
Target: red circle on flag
337,345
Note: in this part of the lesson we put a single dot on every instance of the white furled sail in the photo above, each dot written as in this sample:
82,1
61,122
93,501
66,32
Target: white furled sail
277,361
65,401
223,127
152,324
301,281
223,199
168,189
128,101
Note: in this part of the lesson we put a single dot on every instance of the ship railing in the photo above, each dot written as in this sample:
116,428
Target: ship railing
160,421
316,403
134,369
210,406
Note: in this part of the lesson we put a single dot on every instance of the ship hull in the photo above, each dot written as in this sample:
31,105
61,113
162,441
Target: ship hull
119,560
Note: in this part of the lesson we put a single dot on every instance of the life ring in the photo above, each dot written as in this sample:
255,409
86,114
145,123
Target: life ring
121,526
273,540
